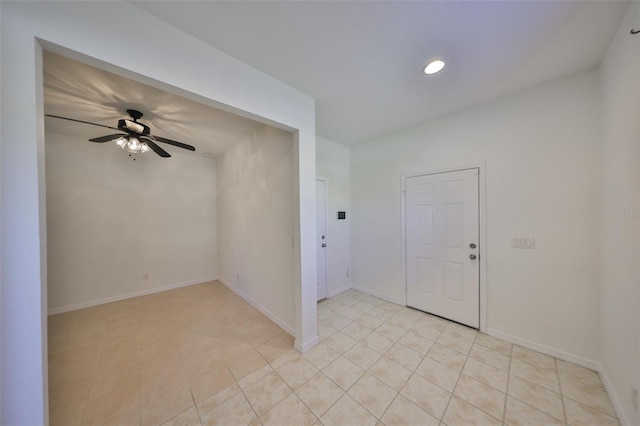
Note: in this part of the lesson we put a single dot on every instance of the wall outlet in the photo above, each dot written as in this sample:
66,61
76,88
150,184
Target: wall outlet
634,398
145,276
523,242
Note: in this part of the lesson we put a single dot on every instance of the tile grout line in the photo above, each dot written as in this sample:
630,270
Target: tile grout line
506,399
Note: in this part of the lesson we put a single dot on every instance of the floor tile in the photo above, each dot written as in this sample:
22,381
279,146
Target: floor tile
273,348
488,356
486,374
289,411
319,393
403,412
536,396
521,414
266,393
579,374
343,372
494,344
581,415
372,394
406,357
207,384
481,396
538,375
297,371
234,411
362,356
218,398
416,342
460,412
587,395
391,331
391,373
163,380
456,343
187,418
533,357
337,321
356,331
159,408
378,342
370,321
339,342
426,395
245,363
321,355
447,356
438,373
346,411
461,331
253,377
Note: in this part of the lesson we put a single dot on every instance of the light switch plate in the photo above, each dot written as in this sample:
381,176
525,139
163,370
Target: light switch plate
523,242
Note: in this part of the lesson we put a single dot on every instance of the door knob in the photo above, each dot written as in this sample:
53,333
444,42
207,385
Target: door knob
324,244
472,256
472,245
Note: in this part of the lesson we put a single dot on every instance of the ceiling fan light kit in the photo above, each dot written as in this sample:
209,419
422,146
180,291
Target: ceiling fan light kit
132,145
133,140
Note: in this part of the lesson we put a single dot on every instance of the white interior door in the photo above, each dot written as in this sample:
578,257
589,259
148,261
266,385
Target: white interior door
321,237
442,245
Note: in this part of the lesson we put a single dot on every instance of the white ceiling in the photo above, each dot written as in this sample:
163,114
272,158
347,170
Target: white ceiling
76,90
362,60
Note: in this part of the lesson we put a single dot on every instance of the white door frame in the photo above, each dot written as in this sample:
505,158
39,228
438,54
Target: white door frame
326,233
482,243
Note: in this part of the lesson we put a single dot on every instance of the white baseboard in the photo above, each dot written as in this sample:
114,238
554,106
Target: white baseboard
286,327
144,292
339,290
304,347
613,397
556,353
376,294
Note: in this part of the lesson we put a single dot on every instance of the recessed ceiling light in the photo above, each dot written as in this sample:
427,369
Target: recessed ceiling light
207,154
433,67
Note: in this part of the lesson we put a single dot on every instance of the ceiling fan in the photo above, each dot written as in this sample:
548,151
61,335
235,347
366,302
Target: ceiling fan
136,137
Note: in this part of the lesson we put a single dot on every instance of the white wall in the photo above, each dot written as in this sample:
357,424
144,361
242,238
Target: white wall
333,164
256,222
85,31
542,153
110,220
619,334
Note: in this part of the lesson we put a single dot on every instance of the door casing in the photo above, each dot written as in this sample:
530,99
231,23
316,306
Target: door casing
482,243
326,233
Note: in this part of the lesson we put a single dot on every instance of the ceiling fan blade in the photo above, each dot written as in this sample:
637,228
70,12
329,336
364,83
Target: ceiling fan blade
107,138
174,143
80,121
161,152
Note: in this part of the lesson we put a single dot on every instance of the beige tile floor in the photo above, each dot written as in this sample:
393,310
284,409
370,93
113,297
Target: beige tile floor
201,355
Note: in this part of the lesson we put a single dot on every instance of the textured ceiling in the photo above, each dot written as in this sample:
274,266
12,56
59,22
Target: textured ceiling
362,60
76,90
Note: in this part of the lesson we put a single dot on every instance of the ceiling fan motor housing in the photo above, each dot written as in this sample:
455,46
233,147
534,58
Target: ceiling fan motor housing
133,126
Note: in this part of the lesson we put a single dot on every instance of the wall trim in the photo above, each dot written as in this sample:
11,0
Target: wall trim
548,350
613,397
286,327
304,347
337,291
378,295
82,305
